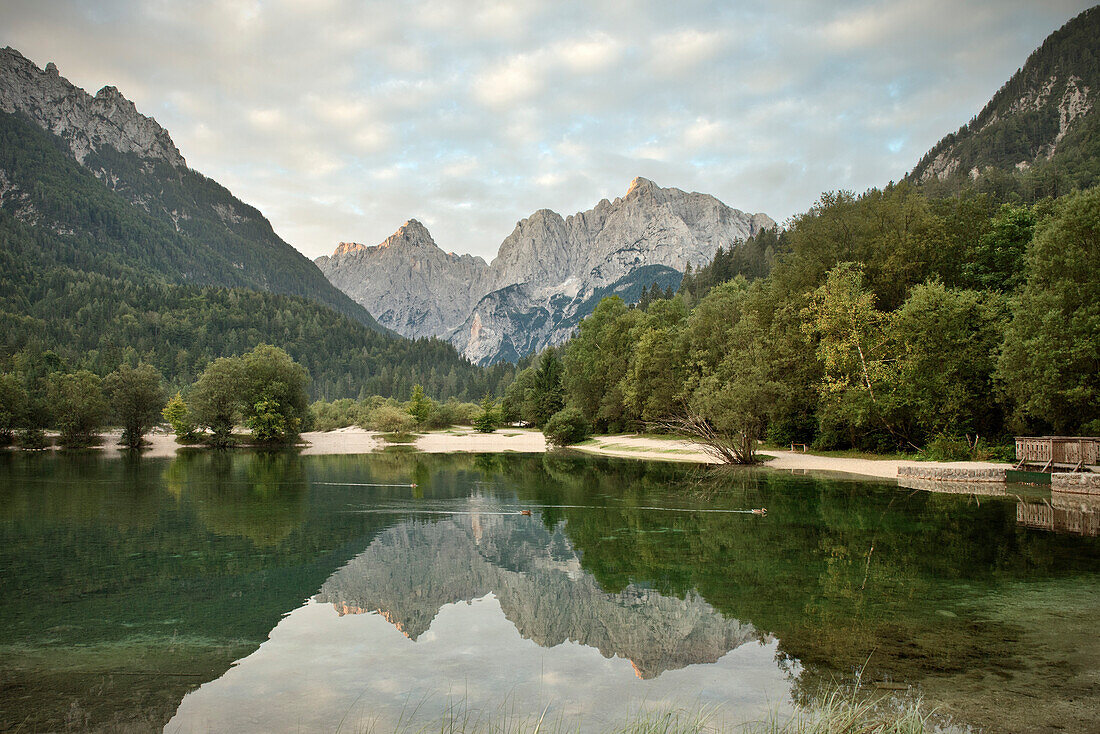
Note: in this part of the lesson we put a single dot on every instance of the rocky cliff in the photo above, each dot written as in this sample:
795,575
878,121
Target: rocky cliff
548,273
411,570
85,122
1045,113
414,287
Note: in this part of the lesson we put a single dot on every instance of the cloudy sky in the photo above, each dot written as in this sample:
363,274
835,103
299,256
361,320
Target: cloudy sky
340,120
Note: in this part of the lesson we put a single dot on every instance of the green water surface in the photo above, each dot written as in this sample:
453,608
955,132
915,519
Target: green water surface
138,593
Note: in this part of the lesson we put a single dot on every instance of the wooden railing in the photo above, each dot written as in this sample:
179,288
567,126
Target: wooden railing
1058,452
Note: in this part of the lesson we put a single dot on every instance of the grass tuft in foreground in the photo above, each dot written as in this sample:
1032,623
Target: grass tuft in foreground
841,711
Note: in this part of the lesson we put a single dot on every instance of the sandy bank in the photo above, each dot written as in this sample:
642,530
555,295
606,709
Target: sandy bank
640,447
464,439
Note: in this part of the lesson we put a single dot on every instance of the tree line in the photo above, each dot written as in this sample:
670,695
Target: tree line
265,390
887,321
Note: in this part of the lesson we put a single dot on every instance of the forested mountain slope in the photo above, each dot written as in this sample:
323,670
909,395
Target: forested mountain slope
193,230
101,261
1042,123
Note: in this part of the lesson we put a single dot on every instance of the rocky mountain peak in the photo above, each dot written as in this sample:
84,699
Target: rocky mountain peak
547,275
411,232
85,122
407,281
345,247
642,186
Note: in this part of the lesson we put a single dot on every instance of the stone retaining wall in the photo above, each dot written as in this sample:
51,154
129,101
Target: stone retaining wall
1077,482
952,473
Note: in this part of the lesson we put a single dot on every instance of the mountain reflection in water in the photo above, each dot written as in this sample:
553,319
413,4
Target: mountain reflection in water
200,591
410,571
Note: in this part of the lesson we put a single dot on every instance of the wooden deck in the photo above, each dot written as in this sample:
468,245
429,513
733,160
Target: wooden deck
1058,453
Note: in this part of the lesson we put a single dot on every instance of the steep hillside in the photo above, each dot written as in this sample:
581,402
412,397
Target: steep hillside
193,229
94,267
1043,120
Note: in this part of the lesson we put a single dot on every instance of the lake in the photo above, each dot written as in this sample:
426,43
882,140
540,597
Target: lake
276,592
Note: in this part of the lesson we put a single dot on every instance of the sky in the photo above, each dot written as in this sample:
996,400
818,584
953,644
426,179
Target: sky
341,120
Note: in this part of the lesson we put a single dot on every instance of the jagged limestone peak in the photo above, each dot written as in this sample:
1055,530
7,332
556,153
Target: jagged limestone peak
85,122
641,185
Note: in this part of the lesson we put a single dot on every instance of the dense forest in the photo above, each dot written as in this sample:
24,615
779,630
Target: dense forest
889,321
98,281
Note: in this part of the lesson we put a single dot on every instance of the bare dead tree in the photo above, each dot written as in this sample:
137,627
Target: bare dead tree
738,448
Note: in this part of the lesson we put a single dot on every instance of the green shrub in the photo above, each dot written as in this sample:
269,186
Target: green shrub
487,420
567,427
32,439
179,417
943,447
450,413
390,419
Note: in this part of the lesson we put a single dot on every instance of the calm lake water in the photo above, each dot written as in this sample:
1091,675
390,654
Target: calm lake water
272,592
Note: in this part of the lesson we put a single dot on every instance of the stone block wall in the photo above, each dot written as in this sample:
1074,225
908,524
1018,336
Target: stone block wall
1076,482
952,473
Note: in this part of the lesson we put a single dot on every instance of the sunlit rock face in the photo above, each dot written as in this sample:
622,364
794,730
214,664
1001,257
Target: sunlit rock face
85,122
410,571
548,273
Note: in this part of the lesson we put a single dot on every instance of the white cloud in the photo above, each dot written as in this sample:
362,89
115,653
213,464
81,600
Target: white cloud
341,119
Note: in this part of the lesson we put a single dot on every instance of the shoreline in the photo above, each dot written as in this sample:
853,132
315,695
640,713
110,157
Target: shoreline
463,439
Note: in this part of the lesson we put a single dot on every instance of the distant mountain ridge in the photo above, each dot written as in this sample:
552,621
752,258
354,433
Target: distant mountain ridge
86,123
547,275
1044,115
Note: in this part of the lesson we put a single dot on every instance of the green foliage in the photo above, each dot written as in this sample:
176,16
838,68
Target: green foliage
136,399
328,416
80,406
853,344
1050,364
390,419
179,417
216,399
945,343
487,419
451,413
420,406
566,427
537,392
893,234
737,398
653,385
13,400
546,396
595,361
274,394
997,261
269,423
